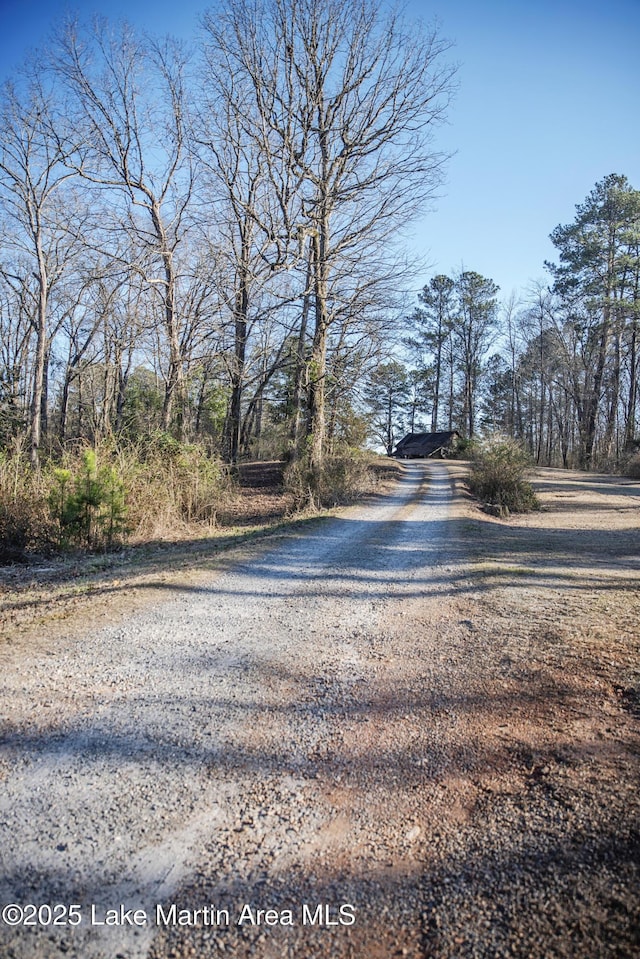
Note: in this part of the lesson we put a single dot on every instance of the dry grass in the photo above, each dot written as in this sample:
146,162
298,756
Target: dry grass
171,490
344,478
632,469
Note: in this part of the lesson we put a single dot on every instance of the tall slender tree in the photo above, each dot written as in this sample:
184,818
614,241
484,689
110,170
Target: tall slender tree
473,331
597,277
348,98
127,135
32,179
386,394
432,327
253,201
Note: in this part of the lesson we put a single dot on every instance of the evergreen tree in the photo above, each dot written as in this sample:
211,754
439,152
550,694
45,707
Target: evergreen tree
598,279
386,395
432,329
473,330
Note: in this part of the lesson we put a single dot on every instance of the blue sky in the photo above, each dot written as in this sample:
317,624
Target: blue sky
547,105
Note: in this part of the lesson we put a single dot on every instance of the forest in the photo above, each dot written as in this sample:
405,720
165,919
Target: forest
202,260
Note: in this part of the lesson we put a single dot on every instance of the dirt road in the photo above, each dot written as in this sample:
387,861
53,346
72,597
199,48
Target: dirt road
409,730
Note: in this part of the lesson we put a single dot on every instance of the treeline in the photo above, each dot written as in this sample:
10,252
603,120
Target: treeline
203,247
557,369
204,243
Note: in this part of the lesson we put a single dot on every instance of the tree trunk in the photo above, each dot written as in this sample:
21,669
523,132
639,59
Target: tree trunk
436,386
39,361
317,374
318,365
121,396
174,389
614,399
593,402
234,419
64,406
630,429
301,384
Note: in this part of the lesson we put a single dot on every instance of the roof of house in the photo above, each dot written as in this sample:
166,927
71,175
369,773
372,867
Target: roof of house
425,444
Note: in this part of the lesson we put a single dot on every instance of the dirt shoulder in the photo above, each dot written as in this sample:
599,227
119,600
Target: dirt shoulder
56,594
568,574
551,606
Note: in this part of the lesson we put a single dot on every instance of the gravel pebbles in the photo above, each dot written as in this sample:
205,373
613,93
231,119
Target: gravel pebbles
334,749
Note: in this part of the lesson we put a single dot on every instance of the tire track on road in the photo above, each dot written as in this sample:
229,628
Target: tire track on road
194,699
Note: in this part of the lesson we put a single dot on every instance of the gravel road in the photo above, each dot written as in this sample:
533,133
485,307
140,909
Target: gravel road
320,752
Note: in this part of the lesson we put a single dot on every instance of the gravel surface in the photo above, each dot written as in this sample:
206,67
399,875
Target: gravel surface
357,743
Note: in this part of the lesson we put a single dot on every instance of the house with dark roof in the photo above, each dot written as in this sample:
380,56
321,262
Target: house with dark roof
426,444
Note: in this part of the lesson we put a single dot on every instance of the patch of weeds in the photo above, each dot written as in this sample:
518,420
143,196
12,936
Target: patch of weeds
498,476
343,478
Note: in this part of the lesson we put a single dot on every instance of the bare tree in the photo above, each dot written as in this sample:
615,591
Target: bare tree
129,137
512,327
250,208
32,178
17,302
346,99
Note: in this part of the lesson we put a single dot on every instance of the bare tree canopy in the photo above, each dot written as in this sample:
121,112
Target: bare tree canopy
342,99
208,244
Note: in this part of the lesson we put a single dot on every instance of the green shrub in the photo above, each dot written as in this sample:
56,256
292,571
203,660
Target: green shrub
88,504
498,477
95,499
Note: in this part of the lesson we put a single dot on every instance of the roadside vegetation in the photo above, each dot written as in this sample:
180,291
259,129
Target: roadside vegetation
192,278
498,476
344,477
632,466
98,498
